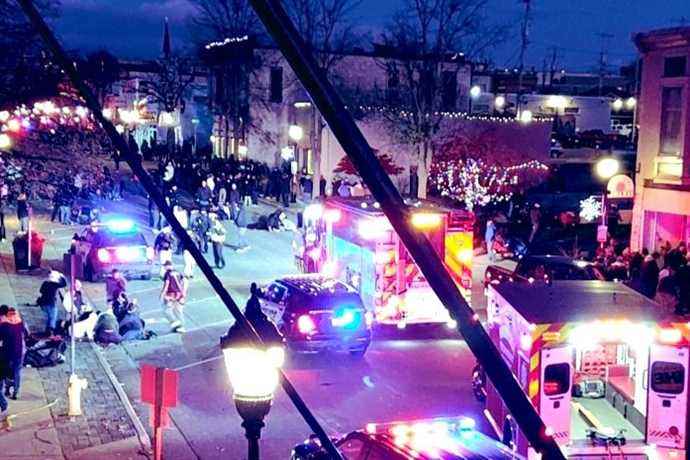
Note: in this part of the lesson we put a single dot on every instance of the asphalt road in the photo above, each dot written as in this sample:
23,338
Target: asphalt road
421,374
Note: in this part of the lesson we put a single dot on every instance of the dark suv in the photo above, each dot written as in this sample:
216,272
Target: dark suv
317,313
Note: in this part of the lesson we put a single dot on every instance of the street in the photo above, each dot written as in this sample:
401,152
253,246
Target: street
421,372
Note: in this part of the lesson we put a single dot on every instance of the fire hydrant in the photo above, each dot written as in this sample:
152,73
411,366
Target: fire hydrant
74,389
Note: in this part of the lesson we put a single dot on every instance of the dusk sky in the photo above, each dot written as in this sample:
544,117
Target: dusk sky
132,28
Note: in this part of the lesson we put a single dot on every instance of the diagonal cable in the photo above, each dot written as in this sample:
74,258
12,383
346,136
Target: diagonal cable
349,136
134,163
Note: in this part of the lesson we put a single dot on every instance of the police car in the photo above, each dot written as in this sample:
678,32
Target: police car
442,438
317,313
115,243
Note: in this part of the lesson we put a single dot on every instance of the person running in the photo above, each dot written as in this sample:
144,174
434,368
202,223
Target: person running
217,234
173,296
163,246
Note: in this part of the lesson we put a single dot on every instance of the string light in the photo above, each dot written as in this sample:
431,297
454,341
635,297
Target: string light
455,115
476,183
227,41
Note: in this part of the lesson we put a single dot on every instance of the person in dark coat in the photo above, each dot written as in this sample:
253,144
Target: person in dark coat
106,330
12,334
649,276
49,292
131,324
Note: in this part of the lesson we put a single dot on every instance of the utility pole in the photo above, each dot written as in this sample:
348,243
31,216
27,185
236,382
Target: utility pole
602,59
524,35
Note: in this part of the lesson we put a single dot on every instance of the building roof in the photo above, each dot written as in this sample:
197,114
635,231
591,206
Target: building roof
673,37
578,301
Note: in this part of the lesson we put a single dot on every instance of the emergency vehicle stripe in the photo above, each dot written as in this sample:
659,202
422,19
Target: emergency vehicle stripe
538,343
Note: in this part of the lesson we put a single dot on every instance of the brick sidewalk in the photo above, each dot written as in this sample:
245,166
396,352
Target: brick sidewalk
105,419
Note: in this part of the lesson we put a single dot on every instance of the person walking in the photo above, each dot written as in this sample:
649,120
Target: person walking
217,233
163,246
535,220
115,285
49,292
173,296
23,212
489,236
189,262
12,334
242,221
201,227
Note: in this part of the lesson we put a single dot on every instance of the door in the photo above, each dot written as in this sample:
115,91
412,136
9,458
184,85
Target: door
667,400
554,396
273,303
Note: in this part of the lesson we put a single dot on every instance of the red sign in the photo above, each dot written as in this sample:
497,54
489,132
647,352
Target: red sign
150,377
602,233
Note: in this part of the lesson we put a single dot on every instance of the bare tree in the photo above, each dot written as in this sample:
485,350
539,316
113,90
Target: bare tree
26,70
232,70
168,88
101,70
326,26
427,44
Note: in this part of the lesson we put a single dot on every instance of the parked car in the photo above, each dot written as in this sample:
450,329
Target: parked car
538,268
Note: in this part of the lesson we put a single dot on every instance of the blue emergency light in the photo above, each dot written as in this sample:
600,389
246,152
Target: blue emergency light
346,318
121,225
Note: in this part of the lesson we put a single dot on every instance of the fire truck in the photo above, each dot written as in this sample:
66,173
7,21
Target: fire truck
605,367
351,238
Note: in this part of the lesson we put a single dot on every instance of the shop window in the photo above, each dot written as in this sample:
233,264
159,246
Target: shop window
556,379
675,66
671,115
668,378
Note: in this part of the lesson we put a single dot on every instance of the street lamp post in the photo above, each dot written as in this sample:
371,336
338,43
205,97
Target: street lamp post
606,168
295,133
253,370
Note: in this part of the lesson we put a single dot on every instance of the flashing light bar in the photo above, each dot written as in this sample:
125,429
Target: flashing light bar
425,220
120,225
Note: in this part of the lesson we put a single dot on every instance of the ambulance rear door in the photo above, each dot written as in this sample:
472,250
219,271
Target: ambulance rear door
667,400
554,397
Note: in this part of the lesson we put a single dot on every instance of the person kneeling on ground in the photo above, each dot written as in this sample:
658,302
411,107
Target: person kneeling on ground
131,324
106,330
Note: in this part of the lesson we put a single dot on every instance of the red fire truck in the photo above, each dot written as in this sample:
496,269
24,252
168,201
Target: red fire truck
604,366
352,239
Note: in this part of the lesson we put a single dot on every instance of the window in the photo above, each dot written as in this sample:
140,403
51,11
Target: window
668,378
450,90
276,88
671,113
674,66
353,449
556,379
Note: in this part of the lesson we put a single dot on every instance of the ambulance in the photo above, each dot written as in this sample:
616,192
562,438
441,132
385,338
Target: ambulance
606,369
354,241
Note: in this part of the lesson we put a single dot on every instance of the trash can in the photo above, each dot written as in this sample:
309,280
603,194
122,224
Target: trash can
20,246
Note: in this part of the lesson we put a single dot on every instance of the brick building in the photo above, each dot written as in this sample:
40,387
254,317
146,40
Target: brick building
662,197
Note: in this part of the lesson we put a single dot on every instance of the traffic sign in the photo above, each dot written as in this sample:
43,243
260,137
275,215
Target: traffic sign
159,388
149,384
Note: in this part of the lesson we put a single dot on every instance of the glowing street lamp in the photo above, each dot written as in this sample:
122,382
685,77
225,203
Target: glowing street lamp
254,373
607,167
475,91
526,116
617,104
295,132
500,102
630,103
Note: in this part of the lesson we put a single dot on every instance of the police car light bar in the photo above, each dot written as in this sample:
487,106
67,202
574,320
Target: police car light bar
120,225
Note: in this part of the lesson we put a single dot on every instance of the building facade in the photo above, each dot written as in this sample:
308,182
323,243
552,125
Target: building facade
662,197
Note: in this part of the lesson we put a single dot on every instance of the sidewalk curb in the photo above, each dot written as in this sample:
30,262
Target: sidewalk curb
142,434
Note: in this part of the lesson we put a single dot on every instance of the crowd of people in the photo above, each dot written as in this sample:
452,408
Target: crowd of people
662,275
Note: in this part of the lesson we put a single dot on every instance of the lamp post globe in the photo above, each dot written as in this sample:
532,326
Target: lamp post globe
295,132
607,167
475,91
253,371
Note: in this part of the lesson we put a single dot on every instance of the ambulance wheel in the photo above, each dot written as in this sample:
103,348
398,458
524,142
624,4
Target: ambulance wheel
358,352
